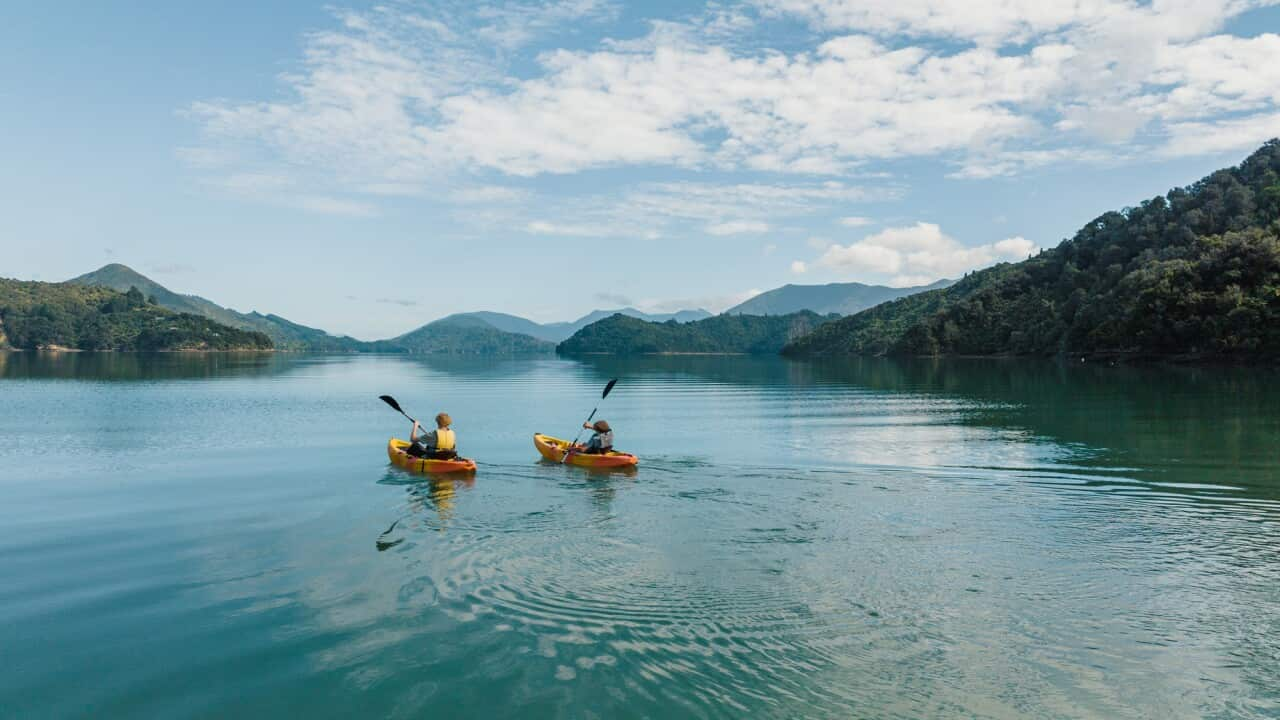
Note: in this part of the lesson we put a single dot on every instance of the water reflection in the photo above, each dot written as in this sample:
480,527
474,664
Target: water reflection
860,539
1164,423
426,494
128,366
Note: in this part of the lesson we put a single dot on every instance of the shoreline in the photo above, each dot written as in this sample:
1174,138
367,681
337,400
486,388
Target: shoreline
60,350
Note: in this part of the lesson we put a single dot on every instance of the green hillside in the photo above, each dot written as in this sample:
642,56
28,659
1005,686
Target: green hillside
286,335
728,334
1193,272
837,298
37,315
460,335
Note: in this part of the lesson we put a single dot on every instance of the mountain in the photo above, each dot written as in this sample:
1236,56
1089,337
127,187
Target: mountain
508,323
557,331
284,334
722,334
1193,272
476,333
464,335
37,315
838,298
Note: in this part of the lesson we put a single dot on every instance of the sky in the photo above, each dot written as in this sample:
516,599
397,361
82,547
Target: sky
366,168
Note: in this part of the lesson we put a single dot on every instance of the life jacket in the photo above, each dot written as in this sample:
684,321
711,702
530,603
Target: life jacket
445,439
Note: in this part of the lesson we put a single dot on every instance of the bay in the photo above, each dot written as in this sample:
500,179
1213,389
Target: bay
221,535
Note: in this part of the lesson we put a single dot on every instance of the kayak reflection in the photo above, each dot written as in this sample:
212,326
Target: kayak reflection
430,493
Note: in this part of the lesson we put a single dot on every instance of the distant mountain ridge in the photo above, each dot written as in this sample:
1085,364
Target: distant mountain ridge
285,334
838,298
558,331
482,332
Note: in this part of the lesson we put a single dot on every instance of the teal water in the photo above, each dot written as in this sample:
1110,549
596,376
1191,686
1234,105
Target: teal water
221,536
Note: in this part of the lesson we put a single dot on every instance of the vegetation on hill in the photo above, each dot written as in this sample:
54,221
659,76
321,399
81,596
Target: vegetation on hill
1196,271
740,334
838,298
460,335
37,315
284,334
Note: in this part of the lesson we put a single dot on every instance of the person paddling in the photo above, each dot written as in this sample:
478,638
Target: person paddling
439,444
601,442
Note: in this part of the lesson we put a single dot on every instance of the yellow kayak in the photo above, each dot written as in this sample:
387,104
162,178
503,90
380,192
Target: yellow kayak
554,449
396,451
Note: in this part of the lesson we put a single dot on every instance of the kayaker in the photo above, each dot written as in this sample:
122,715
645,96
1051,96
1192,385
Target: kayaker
439,444
601,441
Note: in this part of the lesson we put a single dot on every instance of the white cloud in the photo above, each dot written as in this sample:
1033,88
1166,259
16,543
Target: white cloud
486,194
1201,138
799,267
542,227
1012,21
863,256
911,280
738,227
394,189
919,254
391,100
769,249
653,210
385,101
755,201
854,221
512,25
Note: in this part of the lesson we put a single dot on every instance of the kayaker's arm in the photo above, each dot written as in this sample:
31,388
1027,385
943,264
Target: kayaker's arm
413,434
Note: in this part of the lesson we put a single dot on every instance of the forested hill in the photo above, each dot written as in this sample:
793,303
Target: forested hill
43,315
463,335
285,335
728,334
1193,272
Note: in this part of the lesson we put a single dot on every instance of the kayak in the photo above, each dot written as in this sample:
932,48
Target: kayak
553,449
395,451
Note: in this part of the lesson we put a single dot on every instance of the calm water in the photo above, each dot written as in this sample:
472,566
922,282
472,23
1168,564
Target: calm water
222,536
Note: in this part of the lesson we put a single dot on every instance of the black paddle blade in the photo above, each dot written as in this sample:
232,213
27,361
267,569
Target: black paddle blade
608,387
392,402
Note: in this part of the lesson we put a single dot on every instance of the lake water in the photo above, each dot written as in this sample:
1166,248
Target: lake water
222,536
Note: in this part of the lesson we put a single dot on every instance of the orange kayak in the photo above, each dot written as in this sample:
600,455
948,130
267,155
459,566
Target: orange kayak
554,448
395,451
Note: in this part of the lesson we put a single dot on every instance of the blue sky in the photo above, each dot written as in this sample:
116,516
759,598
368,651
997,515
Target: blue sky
366,168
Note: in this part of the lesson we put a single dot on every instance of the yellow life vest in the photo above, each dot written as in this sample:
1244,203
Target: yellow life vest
445,439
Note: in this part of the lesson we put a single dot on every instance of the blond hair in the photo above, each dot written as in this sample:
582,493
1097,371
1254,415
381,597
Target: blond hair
443,420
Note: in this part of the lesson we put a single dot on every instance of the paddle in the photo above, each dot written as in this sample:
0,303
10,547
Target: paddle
395,406
577,437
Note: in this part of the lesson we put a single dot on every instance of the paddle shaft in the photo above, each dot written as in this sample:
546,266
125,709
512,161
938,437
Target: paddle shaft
607,389
578,437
